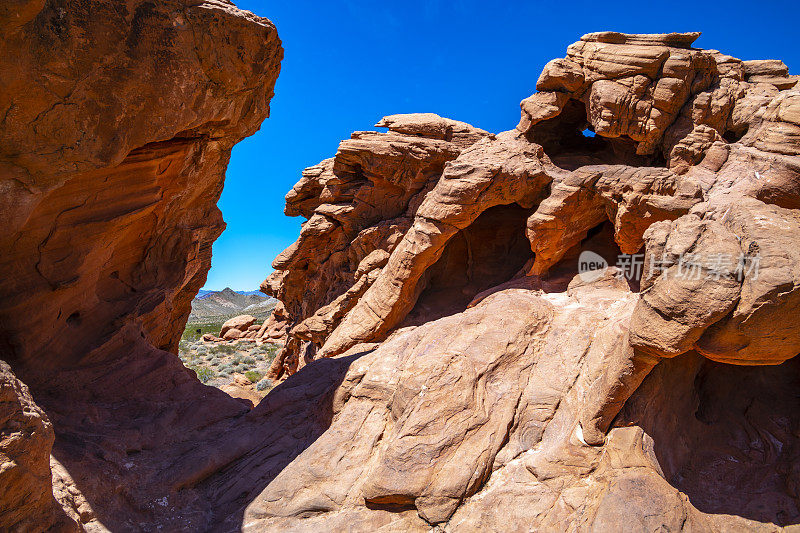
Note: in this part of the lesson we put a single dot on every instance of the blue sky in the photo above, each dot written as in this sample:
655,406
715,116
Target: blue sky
349,63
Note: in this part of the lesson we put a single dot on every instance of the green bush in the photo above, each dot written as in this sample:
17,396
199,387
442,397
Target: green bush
253,376
271,353
190,333
204,373
223,349
249,361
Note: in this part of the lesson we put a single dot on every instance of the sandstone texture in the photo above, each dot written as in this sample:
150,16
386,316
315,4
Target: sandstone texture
237,327
118,120
448,366
490,384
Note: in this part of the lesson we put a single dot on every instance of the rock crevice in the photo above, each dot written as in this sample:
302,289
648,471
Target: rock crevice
448,362
691,169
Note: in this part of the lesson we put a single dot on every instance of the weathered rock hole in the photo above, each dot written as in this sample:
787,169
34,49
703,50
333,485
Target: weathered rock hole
487,253
600,240
735,136
571,142
727,436
74,320
397,504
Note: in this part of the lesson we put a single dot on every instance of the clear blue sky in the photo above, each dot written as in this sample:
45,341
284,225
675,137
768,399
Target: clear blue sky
349,63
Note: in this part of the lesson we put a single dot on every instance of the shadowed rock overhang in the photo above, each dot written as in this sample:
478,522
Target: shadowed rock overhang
448,363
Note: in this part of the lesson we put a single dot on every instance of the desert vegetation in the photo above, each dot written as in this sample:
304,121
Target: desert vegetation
220,364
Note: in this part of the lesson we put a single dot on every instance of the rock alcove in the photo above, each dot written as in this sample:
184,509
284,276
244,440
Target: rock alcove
445,365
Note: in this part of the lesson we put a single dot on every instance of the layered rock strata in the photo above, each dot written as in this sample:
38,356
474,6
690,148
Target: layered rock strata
450,366
680,140
118,121
497,386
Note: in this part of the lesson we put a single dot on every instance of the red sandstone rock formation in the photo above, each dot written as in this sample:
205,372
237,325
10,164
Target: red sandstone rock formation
448,365
118,121
529,405
237,327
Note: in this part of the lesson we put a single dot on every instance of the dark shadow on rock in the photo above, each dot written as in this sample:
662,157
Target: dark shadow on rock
153,449
121,425
289,419
727,436
487,253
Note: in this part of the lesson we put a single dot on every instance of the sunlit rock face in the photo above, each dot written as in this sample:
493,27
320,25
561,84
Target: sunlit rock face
493,385
683,145
448,364
118,120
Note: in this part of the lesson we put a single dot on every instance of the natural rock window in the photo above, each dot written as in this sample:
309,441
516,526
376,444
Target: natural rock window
444,364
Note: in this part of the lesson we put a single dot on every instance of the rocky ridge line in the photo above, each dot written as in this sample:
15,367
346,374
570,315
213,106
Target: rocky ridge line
489,386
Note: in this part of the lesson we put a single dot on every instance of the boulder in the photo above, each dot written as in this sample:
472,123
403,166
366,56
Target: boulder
483,379
240,387
26,438
232,334
241,323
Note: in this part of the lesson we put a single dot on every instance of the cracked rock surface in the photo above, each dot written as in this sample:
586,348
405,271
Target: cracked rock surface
447,366
495,385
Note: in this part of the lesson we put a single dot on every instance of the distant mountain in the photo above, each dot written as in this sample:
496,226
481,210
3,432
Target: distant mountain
205,292
259,308
227,302
256,293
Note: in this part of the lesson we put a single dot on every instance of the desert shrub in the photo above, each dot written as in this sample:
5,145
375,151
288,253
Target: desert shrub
264,384
202,349
253,376
227,367
238,359
249,361
271,353
241,367
204,373
224,349
212,325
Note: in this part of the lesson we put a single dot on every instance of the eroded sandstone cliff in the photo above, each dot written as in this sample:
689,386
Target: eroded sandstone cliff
118,120
492,387
448,365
